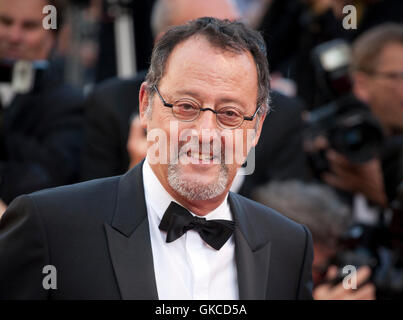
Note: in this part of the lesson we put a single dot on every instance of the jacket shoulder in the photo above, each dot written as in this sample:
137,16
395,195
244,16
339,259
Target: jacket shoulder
90,199
264,222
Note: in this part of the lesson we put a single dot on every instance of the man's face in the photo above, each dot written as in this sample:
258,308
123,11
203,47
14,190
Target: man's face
215,79
21,33
385,94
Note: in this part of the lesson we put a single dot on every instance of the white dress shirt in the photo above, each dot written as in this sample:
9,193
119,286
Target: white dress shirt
188,268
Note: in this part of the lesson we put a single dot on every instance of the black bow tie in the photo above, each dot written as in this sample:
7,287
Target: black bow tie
177,220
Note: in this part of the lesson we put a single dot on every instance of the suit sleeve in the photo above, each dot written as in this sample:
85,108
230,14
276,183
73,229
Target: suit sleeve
305,283
23,252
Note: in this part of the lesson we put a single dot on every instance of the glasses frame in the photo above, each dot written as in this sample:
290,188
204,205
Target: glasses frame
170,105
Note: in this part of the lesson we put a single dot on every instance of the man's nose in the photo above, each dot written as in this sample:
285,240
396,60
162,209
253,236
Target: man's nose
207,126
15,34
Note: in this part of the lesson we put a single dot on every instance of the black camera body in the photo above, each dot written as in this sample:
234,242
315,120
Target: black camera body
379,247
347,123
373,246
350,129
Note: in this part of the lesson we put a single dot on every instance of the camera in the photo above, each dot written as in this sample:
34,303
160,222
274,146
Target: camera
349,127
347,123
372,246
379,247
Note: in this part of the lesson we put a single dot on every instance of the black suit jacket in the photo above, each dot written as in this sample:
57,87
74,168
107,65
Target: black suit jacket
41,140
96,234
279,155
108,114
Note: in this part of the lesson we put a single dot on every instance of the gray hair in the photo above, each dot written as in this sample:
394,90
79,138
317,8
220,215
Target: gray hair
224,34
314,205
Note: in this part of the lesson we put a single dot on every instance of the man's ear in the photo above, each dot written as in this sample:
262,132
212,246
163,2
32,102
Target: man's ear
144,101
259,130
361,83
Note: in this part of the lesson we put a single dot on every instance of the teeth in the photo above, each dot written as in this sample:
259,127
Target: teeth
205,157
201,156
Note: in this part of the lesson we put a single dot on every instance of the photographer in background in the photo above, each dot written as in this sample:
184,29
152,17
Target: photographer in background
377,72
355,144
307,23
40,130
328,218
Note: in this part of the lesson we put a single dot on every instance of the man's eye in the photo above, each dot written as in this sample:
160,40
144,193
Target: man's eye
187,107
31,25
230,113
6,21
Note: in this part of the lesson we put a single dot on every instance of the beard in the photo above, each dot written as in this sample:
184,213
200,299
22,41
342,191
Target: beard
190,187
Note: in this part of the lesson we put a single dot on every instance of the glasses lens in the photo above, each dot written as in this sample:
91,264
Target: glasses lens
186,110
229,117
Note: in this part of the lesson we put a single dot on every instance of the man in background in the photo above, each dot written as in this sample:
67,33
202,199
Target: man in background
377,71
318,207
40,131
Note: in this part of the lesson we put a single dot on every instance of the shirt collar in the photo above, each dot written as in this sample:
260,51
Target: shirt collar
159,199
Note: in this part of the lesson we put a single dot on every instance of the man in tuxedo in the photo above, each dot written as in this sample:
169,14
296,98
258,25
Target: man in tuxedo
169,228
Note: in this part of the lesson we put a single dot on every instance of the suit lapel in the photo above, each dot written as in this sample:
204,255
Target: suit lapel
129,240
252,255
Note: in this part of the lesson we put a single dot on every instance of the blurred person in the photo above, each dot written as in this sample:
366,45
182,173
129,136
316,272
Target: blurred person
252,11
318,208
153,233
22,33
280,154
168,13
377,72
115,142
306,24
371,184
41,130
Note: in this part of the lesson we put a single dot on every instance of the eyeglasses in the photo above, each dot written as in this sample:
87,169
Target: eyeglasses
189,110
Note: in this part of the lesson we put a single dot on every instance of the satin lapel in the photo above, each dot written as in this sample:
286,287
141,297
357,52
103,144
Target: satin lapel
252,255
129,240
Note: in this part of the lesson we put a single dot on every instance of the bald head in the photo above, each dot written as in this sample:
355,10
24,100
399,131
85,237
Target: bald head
168,13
